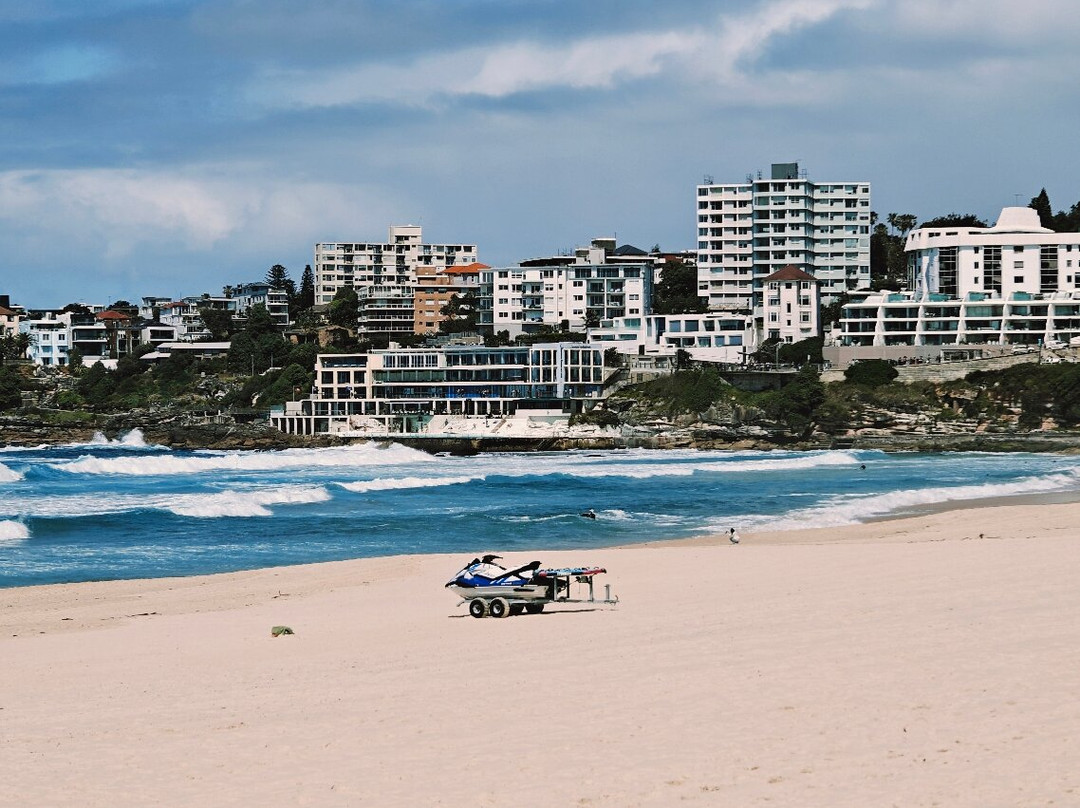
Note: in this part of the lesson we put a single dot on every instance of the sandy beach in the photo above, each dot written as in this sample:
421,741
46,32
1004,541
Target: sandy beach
932,660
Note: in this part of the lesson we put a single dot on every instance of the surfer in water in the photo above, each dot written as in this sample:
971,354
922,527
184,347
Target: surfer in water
589,514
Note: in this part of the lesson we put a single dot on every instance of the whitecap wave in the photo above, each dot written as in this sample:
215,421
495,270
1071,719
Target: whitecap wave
12,532
8,475
396,483
755,464
367,454
232,502
243,503
849,510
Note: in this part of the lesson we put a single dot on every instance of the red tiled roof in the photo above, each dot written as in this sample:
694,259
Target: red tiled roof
468,269
790,273
109,314
6,312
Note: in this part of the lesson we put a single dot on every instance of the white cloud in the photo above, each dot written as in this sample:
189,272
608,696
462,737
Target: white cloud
718,52
129,216
1004,20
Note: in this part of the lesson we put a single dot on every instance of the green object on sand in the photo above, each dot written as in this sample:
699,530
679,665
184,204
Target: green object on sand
277,631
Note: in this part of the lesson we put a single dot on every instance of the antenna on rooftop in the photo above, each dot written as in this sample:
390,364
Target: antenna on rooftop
1016,198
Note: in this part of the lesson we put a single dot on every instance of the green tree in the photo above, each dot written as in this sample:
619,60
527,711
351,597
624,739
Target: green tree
305,298
345,308
677,290
955,220
75,361
11,384
797,402
217,321
870,373
259,321
1041,204
459,314
277,277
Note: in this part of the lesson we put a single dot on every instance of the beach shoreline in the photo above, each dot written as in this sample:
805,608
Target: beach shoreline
906,661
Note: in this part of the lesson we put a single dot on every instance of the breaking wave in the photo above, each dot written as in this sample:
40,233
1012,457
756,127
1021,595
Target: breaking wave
717,466
11,532
400,483
132,439
367,454
224,503
847,510
243,503
8,475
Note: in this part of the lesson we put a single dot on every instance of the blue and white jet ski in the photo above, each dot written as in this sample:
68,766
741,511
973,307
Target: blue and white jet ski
486,578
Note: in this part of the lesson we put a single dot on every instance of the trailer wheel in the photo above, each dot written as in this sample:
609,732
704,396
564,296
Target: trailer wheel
534,608
516,608
498,607
478,607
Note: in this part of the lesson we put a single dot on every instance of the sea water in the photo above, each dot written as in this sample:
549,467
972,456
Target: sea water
123,509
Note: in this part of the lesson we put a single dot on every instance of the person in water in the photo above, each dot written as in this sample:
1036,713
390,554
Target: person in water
733,536
589,514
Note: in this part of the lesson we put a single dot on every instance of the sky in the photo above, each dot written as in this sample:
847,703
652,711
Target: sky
171,147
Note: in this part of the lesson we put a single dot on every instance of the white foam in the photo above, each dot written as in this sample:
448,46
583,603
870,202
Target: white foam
367,454
12,532
9,475
850,510
233,502
809,461
243,503
396,483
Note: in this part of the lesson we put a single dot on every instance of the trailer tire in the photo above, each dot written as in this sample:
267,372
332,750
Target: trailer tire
534,608
498,607
516,608
478,607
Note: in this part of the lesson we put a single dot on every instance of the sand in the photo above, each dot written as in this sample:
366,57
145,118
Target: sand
907,663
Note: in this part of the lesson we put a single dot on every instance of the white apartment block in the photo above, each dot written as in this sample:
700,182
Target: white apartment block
259,293
715,337
1016,283
402,389
51,334
384,274
790,310
521,299
749,230
183,315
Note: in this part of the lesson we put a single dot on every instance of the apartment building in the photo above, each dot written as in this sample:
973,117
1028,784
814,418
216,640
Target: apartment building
713,337
400,389
749,230
572,292
435,289
790,311
183,315
259,293
1015,283
384,275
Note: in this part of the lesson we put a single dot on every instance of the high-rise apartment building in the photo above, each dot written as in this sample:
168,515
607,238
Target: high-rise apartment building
749,230
384,274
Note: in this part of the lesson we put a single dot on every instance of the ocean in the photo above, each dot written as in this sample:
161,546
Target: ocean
125,509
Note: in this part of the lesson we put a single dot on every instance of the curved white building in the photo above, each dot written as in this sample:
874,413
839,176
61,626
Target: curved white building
1016,283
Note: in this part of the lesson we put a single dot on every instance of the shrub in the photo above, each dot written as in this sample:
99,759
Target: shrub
871,373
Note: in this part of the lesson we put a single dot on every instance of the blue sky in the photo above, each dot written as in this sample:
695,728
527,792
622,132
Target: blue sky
170,147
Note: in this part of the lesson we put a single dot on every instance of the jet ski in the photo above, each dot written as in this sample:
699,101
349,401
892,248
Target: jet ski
485,578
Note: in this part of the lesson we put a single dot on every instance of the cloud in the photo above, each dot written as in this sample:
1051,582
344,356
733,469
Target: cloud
151,223
723,49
